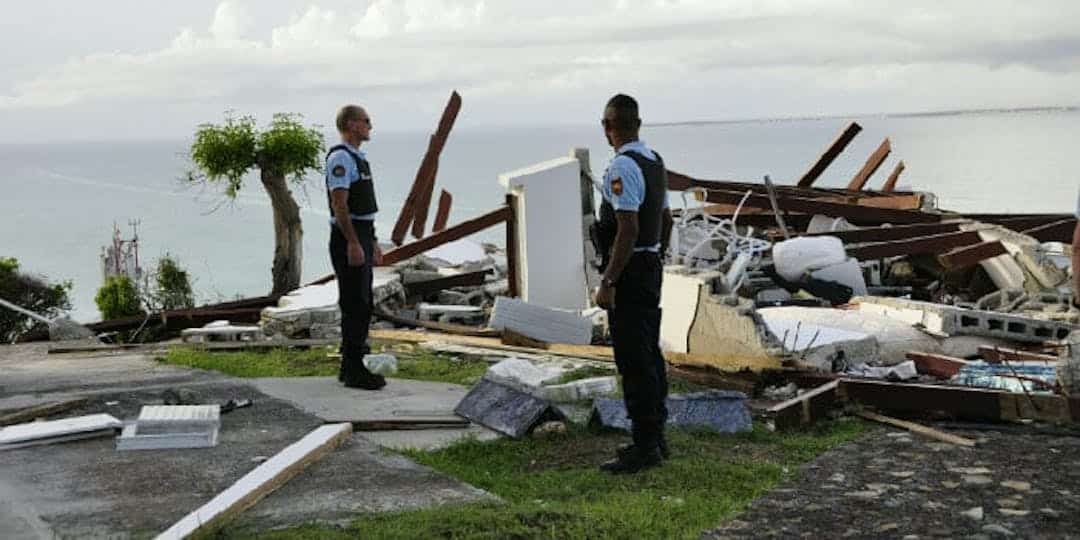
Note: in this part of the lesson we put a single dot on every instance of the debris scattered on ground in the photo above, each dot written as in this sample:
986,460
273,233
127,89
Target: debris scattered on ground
57,431
716,410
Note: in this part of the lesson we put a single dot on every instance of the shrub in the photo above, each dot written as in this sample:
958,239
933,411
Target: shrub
118,297
172,286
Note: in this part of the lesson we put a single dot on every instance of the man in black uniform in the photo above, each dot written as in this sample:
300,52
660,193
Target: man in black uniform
353,248
633,231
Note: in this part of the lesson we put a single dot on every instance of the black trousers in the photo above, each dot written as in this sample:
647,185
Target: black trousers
635,329
354,291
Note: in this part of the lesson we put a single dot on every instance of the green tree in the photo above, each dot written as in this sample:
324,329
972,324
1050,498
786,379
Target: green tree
30,292
283,152
117,298
172,286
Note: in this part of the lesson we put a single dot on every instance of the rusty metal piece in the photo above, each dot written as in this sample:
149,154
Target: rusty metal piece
830,154
890,184
872,163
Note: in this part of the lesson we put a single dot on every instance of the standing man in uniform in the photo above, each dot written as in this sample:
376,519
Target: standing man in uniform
353,248
633,232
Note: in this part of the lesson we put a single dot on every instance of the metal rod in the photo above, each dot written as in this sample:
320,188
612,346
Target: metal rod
776,208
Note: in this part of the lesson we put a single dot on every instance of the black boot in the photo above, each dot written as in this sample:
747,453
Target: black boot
357,375
633,460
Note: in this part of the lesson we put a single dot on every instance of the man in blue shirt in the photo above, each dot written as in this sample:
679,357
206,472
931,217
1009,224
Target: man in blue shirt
633,232
353,248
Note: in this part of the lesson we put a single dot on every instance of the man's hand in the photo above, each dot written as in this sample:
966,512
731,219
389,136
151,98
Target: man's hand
356,254
605,297
377,258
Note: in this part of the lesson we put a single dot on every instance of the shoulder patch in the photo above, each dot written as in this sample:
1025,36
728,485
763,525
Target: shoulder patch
339,171
616,186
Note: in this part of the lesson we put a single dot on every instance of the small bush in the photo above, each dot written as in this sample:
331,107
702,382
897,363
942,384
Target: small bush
172,286
118,298
32,293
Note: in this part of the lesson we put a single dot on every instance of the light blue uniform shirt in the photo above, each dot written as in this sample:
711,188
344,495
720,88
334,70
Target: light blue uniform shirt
341,158
627,171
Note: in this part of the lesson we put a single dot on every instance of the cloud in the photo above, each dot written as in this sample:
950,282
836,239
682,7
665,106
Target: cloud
843,53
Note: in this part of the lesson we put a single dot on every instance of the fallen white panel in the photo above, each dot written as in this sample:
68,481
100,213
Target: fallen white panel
551,258
678,302
270,475
541,323
53,429
108,432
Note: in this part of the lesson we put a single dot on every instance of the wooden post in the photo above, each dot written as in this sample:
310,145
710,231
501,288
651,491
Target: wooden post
457,232
830,154
890,184
512,246
872,163
443,215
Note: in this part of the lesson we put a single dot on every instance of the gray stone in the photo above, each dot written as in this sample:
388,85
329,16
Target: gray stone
716,410
994,528
974,513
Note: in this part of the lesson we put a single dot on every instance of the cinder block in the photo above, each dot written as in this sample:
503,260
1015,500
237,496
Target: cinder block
950,320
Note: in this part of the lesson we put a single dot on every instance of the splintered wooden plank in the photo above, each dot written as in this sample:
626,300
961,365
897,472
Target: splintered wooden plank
997,355
830,154
890,184
1057,231
443,214
263,480
872,163
428,168
965,256
30,414
804,409
917,428
456,232
934,244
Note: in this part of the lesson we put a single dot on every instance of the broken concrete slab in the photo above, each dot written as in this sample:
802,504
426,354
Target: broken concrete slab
580,390
679,297
519,372
950,320
505,409
73,490
313,309
717,410
727,335
450,313
541,323
327,399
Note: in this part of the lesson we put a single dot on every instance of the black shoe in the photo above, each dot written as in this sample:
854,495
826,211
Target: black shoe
633,460
365,380
662,446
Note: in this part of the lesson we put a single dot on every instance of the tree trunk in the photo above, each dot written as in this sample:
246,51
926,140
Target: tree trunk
288,233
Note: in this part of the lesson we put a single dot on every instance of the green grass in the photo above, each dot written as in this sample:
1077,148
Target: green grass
417,364
551,487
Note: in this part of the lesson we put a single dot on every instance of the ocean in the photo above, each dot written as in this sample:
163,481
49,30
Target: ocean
60,201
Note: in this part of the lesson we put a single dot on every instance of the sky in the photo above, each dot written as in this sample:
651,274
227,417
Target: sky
135,69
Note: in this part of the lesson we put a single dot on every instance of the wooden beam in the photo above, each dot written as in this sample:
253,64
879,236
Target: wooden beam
427,171
803,409
1019,222
884,234
934,244
938,365
956,401
443,214
917,428
30,414
512,230
438,142
871,166
965,256
426,287
830,154
997,355
805,205
267,477
739,381
1057,231
456,232
890,184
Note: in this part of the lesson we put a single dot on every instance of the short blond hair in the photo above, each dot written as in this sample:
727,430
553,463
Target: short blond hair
347,114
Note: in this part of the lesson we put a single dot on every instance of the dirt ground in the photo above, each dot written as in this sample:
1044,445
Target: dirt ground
1023,483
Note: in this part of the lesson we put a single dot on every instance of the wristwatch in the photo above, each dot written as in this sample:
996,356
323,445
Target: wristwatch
605,282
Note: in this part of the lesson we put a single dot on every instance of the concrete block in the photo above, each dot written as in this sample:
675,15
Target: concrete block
443,313
581,390
161,427
949,320
541,323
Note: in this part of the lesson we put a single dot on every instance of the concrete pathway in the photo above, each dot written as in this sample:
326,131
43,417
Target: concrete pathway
88,489
326,398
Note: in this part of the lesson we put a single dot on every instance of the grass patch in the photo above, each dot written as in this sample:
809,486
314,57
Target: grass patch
417,364
552,488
